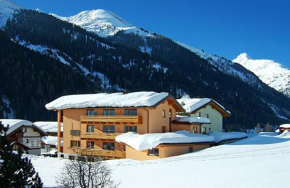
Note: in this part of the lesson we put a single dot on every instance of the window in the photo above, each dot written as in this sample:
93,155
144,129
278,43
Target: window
108,112
109,145
163,113
75,144
90,128
207,115
91,112
190,149
27,140
198,114
109,129
163,129
130,129
90,144
24,130
130,112
194,130
203,130
154,151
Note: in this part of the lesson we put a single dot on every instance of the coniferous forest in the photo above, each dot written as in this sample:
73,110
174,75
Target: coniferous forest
30,79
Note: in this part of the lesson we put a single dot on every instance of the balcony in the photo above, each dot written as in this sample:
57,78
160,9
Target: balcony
105,153
99,135
112,119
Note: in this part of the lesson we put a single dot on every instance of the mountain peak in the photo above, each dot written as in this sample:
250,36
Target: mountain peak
103,22
242,56
7,8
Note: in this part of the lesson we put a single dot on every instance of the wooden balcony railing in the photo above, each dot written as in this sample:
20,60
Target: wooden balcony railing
112,119
99,135
105,153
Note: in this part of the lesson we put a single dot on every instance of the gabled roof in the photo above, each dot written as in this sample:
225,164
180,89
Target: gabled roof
135,99
16,124
48,126
21,145
192,105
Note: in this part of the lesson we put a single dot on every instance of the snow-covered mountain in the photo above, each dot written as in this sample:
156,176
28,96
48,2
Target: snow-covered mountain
224,65
103,22
7,8
270,72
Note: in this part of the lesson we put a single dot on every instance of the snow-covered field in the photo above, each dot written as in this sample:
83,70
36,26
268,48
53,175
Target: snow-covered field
260,161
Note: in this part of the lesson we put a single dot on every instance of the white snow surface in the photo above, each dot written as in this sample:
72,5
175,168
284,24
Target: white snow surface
14,124
222,136
285,126
136,99
191,119
238,165
148,141
103,22
7,8
270,72
49,140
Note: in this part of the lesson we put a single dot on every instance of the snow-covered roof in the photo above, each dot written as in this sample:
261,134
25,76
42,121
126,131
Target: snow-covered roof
49,140
148,141
222,136
192,104
285,126
14,124
136,99
48,126
191,119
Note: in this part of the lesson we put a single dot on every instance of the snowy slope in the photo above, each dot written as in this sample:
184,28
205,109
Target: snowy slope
269,71
251,163
7,8
103,22
224,65
106,23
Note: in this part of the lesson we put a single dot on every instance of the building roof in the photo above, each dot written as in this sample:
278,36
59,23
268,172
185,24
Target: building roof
23,146
148,141
192,105
15,124
49,140
285,126
191,119
48,126
136,99
223,136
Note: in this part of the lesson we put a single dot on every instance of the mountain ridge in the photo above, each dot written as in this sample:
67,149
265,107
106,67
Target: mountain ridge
166,67
270,72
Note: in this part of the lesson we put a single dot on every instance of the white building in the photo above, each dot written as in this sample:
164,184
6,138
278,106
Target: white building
25,133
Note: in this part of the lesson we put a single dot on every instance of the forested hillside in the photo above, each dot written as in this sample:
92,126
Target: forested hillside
29,80
85,61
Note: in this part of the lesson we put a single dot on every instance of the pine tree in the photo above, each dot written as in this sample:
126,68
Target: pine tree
268,128
15,171
258,128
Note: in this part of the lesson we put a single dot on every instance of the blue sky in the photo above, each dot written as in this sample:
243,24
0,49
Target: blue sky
227,28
